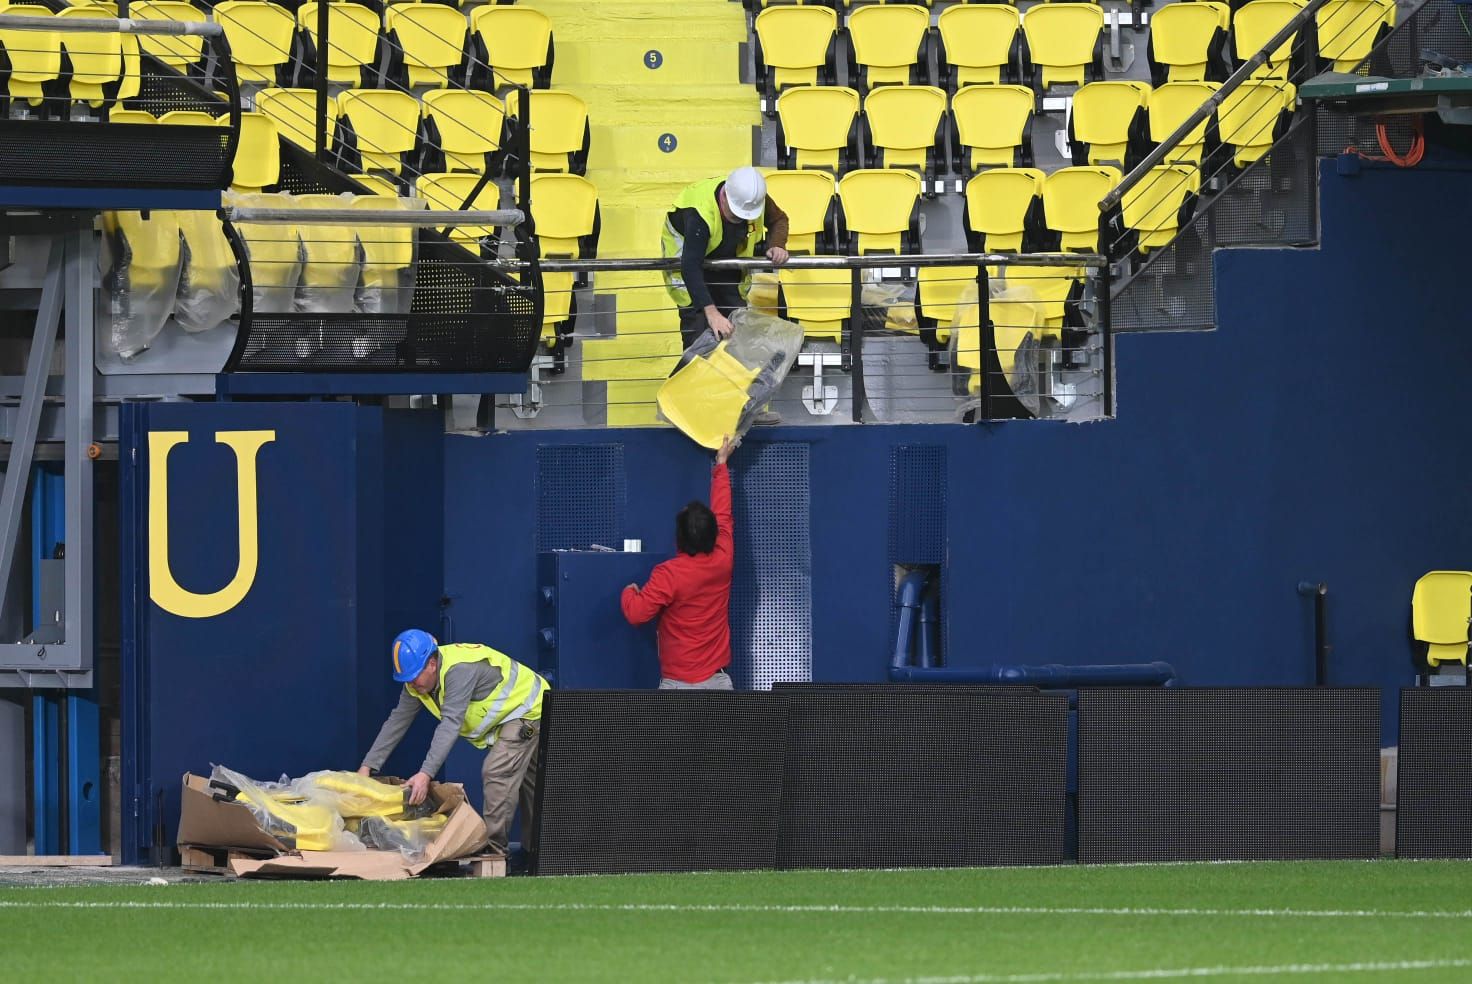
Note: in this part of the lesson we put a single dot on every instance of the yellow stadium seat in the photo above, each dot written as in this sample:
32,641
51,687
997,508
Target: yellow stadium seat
1004,210
1162,202
179,52
376,129
462,130
331,266
817,127
565,215
1065,42
1253,26
1071,197
131,116
818,300
35,59
1348,29
794,46
377,185
560,134
1441,606
96,59
1053,287
1108,123
1251,115
1170,106
352,32
939,293
144,274
905,126
1188,42
428,41
191,117
808,198
705,398
517,44
980,44
258,156
274,250
993,126
449,191
888,43
880,209
260,36
387,285
208,269
295,113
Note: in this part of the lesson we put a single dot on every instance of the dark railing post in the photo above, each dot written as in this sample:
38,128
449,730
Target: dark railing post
1104,310
856,341
320,74
526,232
984,338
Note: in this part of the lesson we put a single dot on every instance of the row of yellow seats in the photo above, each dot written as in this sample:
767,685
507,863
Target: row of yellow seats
436,41
257,162
104,66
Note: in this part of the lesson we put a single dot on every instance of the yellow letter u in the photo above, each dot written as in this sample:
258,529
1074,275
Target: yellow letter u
163,589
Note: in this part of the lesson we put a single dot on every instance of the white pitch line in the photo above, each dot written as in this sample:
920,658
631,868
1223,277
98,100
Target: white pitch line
1159,973
979,910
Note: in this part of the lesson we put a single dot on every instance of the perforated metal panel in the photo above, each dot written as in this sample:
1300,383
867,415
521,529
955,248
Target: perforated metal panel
895,776
771,595
1433,812
1230,774
581,494
659,781
917,504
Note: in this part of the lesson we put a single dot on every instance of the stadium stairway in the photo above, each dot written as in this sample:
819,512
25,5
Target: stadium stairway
667,107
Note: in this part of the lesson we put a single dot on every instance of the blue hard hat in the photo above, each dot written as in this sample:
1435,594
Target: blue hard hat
412,649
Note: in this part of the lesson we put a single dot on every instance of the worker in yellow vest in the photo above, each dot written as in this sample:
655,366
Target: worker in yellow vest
484,696
719,218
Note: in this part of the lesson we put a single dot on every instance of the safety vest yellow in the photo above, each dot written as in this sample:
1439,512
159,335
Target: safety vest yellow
701,196
518,697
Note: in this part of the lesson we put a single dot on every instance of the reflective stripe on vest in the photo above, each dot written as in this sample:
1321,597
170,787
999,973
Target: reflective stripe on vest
521,690
701,196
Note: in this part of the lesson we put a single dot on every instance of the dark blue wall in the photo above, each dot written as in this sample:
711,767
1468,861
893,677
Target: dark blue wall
1314,436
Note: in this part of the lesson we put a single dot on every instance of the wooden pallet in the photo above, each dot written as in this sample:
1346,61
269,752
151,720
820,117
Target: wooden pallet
216,861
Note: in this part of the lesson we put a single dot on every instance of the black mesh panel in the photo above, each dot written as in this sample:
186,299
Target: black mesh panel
1433,812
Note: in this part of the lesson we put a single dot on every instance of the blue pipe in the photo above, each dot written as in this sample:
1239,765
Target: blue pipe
930,655
1051,675
909,595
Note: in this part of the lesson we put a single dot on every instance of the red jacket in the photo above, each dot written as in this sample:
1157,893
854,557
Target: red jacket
691,595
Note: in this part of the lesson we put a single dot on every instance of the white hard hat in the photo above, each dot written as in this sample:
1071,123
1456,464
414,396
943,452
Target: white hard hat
746,193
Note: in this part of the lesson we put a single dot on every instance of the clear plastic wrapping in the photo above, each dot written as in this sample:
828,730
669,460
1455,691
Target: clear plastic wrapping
410,837
332,259
887,306
275,253
209,282
299,823
140,263
389,252
351,795
1017,317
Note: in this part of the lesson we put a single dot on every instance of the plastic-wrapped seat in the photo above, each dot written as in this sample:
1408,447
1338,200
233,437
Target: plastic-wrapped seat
1171,105
449,191
980,44
1254,25
809,200
274,251
35,59
427,40
260,37
794,46
1348,29
461,130
1188,42
1052,287
1004,210
387,283
517,44
1065,43
352,32
209,281
1162,202
1441,607
331,261
905,126
96,59
141,263
1071,197
565,215
179,52
294,111
1252,115
993,126
817,127
881,210
1108,123
560,134
888,44
940,294
376,129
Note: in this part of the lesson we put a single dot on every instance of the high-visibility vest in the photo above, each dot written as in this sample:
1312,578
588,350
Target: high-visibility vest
518,697
701,196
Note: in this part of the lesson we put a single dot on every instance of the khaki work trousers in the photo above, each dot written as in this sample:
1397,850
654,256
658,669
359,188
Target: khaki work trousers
509,777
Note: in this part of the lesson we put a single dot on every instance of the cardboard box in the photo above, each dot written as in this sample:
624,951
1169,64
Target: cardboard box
207,822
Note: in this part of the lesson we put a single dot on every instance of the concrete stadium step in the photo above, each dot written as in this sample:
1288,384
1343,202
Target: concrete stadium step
632,404
632,356
679,146
653,189
694,20
649,64
638,106
631,231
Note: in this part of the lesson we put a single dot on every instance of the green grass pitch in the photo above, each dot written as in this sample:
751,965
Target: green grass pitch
1321,921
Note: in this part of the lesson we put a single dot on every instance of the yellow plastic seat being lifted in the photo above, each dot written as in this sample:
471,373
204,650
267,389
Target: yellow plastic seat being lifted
259,35
1170,106
816,124
979,42
887,42
1002,207
1348,29
704,399
1441,606
1185,38
993,126
794,43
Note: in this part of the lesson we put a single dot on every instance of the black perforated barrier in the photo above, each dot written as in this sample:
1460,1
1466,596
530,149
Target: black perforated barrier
1433,808
1177,775
895,776
659,781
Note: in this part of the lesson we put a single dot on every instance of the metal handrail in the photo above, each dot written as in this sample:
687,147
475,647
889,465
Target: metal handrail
1089,260
427,218
1206,109
110,25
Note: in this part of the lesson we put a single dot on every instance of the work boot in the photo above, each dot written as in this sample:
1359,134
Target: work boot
767,417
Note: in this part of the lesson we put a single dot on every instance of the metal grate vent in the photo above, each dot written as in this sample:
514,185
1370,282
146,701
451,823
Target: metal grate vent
580,496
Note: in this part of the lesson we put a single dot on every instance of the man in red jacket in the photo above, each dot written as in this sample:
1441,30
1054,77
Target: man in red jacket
691,593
